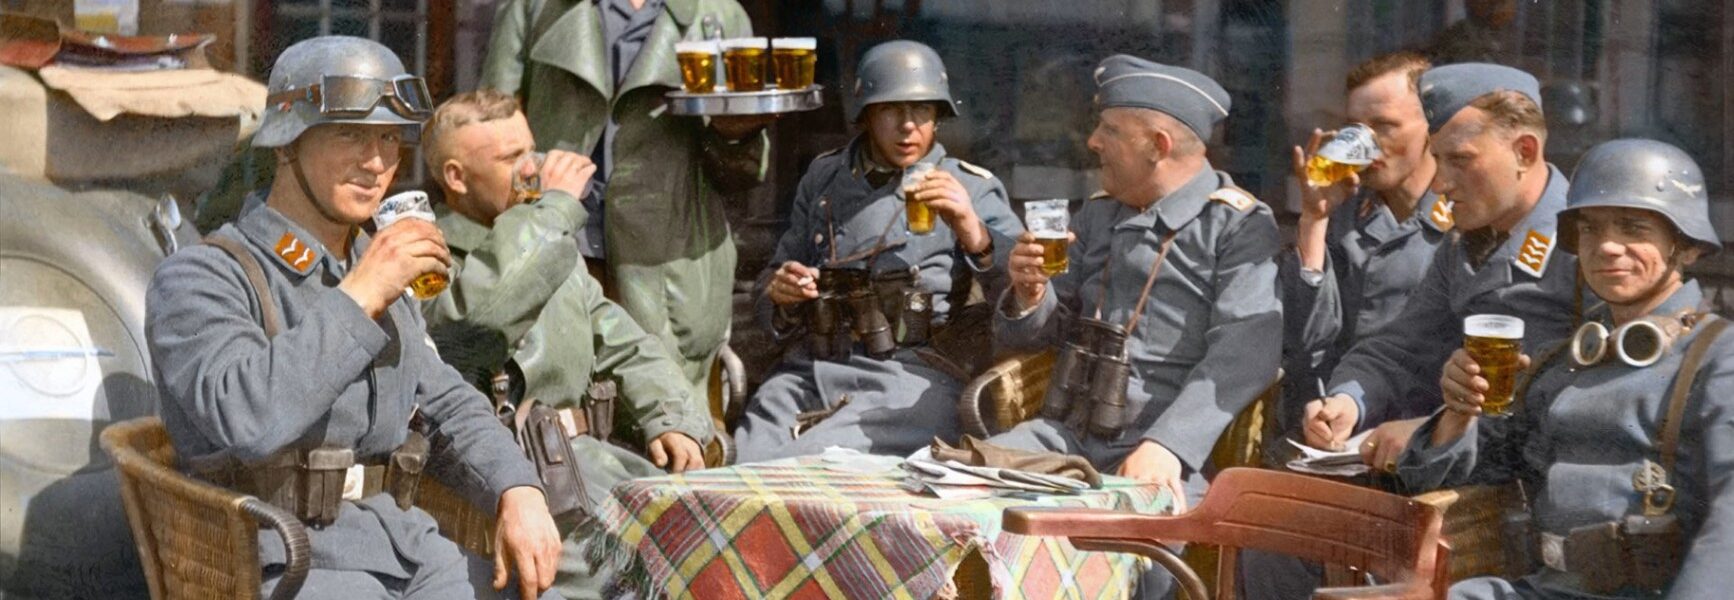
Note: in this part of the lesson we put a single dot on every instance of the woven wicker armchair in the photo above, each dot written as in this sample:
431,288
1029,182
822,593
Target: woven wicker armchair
196,540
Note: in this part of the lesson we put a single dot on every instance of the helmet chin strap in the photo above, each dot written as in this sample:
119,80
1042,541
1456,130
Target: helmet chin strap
292,153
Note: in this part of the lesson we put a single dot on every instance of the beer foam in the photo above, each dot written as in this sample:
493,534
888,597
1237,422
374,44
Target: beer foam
698,47
796,43
1047,219
747,42
1493,326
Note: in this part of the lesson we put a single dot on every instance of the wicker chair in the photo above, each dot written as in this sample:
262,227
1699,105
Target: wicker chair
196,540
1392,537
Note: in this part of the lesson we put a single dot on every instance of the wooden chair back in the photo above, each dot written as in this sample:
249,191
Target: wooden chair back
1395,538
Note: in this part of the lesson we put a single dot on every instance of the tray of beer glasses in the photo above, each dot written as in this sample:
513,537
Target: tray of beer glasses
746,76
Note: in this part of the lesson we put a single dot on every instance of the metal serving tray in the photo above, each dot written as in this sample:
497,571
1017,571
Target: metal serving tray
768,102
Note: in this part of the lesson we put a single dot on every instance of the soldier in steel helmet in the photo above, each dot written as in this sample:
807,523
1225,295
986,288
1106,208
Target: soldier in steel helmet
291,365
1622,441
884,389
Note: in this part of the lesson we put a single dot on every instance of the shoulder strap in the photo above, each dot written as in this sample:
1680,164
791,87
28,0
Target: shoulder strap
1683,386
256,277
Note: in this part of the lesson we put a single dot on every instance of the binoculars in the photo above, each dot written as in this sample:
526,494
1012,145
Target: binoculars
880,311
1093,371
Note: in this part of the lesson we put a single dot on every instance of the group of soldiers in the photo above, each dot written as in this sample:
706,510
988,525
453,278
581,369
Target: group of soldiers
289,339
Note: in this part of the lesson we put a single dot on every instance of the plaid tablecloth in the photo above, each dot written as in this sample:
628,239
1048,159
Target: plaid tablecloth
797,529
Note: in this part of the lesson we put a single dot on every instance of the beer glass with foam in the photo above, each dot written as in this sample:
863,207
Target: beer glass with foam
698,65
793,60
527,177
919,213
1495,342
412,204
1348,151
1049,220
744,60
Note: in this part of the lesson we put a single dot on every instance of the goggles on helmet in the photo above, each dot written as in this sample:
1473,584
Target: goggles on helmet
348,96
1639,343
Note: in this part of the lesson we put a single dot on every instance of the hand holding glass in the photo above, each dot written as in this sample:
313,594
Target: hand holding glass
1049,221
919,213
411,205
1495,343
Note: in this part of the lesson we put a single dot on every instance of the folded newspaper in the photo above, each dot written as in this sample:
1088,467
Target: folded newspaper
952,479
1342,463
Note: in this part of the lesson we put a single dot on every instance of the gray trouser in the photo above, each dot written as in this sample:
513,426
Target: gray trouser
451,573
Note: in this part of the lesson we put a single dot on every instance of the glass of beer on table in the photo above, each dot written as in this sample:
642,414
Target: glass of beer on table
698,65
919,213
1049,220
1494,342
793,60
411,205
1348,151
744,60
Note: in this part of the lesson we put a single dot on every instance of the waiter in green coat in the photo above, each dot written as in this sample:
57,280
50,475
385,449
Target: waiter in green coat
592,74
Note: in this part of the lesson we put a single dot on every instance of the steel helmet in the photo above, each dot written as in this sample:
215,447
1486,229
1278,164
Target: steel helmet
901,71
340,79
1642,174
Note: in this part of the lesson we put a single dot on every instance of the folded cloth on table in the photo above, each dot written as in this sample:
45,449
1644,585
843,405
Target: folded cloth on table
973,451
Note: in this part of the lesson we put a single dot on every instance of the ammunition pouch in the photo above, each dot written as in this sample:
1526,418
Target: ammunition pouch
1635,553
543,432
313,484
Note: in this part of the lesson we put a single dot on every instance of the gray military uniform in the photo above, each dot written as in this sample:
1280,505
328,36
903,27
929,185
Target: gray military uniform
1372,261
523,279
1394,372
901,403
1202,350
1576,440
331,377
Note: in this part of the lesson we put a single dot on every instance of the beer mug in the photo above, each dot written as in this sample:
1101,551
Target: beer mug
920,214
698,65
1049,220
793,60
1494,342
412,204
527,177
744,60
1349,150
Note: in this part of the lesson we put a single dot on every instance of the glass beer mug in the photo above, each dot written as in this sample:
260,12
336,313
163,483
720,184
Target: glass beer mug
793,60
1049,220
1495,342
920,215
1348,151
744,60
698,65
412,204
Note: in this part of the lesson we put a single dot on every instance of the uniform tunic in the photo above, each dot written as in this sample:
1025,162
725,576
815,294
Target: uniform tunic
1372,261
524,280
1394,373
901,403
1204,348
331,377
1577,438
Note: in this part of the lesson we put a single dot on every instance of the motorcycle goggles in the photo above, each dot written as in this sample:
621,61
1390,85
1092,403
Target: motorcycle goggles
353,97
1640,343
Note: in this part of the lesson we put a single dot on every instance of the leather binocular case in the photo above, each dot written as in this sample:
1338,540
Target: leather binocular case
1093,371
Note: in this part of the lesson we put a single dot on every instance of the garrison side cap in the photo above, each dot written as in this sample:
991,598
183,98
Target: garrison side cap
1190,97
1447,89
